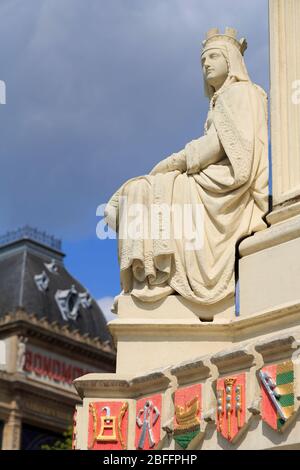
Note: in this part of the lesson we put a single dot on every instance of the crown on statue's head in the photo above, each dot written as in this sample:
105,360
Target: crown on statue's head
214,36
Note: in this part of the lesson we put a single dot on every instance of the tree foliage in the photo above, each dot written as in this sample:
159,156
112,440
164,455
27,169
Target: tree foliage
64,444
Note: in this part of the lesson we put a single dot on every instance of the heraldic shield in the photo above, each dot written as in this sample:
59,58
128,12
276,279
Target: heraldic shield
108,425
187,417
277,392
148,421
231,405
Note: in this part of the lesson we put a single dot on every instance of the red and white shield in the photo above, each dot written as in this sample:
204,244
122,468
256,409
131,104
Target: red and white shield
148,420
108,423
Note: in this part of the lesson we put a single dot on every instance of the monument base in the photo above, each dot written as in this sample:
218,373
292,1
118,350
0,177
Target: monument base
171,353
149,336
163,391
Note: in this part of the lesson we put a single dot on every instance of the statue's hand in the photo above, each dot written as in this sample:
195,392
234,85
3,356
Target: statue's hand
176,161
161,167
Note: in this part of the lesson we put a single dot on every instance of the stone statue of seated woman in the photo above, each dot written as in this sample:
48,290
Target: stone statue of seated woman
224,172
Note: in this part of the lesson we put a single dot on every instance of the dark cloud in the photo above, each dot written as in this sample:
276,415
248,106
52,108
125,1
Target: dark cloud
97,92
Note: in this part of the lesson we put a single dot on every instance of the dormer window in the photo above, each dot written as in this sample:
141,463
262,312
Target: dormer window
52,266
42,281
68,302
86,299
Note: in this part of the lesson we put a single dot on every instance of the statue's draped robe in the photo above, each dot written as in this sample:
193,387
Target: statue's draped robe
234,195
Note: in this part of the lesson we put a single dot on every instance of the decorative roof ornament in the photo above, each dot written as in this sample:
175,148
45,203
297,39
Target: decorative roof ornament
86,299
68,302
52,266
42,281
214,35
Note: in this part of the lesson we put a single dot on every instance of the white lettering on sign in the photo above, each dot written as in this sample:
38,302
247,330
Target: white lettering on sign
53,368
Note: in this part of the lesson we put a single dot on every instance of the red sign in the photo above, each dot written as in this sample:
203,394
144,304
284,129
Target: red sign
108,423
231,413
52,368
148,418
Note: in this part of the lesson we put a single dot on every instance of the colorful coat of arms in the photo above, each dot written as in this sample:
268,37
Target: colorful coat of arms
148,419
108,423
187,414
231,399
277,389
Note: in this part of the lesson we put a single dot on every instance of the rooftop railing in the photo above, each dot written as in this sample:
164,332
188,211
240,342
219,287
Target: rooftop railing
29,233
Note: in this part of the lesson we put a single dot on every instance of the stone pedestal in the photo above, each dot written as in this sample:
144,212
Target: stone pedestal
167,332
167,349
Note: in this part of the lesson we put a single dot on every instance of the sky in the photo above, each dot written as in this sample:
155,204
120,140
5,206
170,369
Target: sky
97,92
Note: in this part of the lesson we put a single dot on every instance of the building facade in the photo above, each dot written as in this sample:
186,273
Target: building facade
51,332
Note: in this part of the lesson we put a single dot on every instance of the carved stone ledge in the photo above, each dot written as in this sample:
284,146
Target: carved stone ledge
151,382
284,211
274,235
187,370
234,359
277,347
104,385
114,385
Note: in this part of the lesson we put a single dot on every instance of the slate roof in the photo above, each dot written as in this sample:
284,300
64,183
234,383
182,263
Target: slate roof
20,261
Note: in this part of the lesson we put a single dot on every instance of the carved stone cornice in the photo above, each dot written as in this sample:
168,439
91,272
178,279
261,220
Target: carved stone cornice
18,383
274,235
21,322
284,211
281,316
235,358
103,385
277,347
153,381
188,370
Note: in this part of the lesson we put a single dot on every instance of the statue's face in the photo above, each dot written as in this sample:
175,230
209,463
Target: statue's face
215,67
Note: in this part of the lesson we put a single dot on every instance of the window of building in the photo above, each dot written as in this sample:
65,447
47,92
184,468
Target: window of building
33,438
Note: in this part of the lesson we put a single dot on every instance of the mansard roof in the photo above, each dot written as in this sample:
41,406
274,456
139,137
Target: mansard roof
33,277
